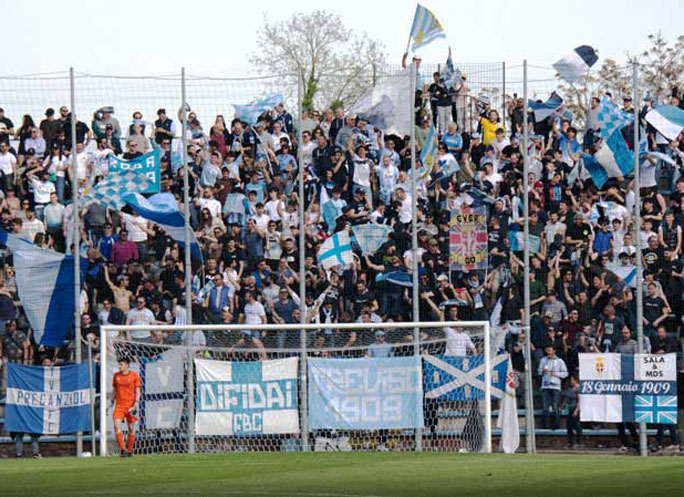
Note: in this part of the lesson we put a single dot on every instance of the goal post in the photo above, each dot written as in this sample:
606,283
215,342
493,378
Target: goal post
358,377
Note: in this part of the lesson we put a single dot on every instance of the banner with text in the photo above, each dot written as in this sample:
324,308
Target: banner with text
365,394
640,388
145,165
47,401
246,398
468,239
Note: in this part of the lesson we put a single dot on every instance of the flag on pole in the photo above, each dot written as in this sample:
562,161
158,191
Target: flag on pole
508,416
163,211
451,75
428,155
576,64
371,236
45,283
542,110
147,166
251,112
612,160
667,119
611,118
336,251
425,28
517,241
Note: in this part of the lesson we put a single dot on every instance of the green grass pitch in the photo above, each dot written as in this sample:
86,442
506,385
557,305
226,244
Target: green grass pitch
345,475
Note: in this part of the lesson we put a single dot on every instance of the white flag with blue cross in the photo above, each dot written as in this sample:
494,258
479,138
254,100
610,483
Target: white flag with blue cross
336,251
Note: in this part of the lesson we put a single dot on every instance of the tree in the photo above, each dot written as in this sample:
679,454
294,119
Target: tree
334,65
661,69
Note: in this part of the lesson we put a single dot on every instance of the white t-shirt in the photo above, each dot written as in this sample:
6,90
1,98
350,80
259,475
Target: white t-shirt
457,343
134,226
143,317
254,312
212,204
7,163
42,191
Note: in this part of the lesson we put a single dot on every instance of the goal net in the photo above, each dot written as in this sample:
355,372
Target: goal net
350,387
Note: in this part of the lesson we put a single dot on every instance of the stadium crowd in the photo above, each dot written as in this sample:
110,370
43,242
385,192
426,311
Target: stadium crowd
580,299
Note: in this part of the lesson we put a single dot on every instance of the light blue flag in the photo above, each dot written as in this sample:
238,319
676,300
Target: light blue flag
667,119
428,156
162,210
425,28
329,210
147,166
371,236
235,209
45,283
251,112
110,191
611,118
365,394
517,241
48,401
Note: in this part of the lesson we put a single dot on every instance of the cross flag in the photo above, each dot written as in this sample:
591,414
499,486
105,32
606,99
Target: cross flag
611,118
425,28
336,251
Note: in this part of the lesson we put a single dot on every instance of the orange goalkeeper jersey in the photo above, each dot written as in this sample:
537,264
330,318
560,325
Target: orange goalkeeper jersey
124,388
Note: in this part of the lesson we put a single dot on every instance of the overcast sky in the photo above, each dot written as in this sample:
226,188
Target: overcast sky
215,37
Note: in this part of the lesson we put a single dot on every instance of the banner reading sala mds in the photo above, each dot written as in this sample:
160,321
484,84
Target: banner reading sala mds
246,398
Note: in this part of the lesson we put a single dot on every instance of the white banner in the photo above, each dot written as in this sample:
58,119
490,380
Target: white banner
246,398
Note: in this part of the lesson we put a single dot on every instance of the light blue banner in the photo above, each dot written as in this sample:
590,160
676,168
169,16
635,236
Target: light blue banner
365,394
146,165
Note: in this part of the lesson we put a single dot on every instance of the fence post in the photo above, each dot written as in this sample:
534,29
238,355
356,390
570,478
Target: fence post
302,276
643,438
414,233
91,387
188,268
77,242
503,93
103,391
529,395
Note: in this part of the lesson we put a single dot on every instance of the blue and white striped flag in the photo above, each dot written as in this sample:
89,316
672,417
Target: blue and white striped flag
163,211
371,236
251,112
428,155
110,191
48,401
425,28
612,160
611,118
45,283
336,251
576,64
667,119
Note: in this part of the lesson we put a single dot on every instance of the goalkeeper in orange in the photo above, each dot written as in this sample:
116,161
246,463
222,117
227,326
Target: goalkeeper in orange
126,385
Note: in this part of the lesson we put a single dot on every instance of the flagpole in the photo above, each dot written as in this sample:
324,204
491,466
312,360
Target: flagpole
529,395
77,242
302,272
414,234
188,267
643,439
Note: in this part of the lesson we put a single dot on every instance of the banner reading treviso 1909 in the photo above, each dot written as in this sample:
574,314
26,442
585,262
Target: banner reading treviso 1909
468,239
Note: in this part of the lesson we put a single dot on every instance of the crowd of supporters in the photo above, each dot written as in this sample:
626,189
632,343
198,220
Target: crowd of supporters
580,301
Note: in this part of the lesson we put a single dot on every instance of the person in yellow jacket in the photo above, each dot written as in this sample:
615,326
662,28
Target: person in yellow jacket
489,125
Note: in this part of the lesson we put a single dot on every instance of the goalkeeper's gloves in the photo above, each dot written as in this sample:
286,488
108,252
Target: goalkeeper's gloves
133,411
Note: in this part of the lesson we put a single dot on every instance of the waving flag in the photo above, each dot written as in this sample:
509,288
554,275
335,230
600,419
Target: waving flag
371,236
251,112
110,191
336,251
385,104
162,210
428,155
147,166
517,241
576,64
542,110
235,209
611,118
48,401
425,28
451,75
667,119
508,416
45,283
